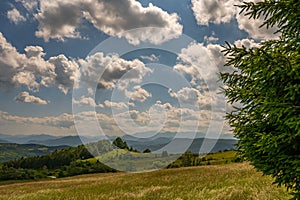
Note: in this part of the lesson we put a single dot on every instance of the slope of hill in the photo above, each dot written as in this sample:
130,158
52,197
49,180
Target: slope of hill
10,151
229,182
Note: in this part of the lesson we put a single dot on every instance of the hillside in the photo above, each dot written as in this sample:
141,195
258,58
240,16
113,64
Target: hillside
78,160
10,151
233,181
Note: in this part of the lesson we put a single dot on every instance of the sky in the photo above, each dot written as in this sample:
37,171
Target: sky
114,67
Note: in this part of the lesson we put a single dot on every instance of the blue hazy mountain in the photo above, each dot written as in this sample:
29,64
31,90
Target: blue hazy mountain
24,139
139,141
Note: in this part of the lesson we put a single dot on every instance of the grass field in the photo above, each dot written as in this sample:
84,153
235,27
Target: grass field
232,181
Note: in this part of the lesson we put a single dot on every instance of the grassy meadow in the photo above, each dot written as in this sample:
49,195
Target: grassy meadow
236,181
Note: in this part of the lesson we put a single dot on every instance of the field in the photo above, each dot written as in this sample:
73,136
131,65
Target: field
232,181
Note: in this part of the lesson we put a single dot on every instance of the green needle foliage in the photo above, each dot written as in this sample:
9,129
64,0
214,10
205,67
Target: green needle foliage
265,89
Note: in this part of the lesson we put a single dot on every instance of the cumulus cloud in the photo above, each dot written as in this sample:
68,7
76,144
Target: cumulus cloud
58,19
25,97
10,63
15,17
32,70
116,106
247,43
211,39
139,94
191,96
85,101
105,71
223,11
111,17
163,117
67,72
213,11
64,120
125,70
26,78
252,27
200,64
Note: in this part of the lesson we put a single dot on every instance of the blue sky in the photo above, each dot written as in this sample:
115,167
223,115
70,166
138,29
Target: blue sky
47,66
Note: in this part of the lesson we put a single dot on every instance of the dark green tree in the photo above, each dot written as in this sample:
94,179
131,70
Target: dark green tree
118,142
147,151
187,159
265,89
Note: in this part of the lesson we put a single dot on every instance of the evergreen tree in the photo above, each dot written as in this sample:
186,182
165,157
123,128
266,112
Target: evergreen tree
266,86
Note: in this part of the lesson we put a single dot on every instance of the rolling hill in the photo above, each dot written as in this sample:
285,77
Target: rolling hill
10,151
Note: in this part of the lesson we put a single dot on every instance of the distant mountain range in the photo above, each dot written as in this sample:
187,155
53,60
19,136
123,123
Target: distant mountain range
47,140
139,141
180,145
24,139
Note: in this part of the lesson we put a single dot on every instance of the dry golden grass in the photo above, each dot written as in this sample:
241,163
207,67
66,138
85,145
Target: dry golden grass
232,181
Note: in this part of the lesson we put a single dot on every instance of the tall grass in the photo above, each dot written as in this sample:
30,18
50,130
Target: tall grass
233,181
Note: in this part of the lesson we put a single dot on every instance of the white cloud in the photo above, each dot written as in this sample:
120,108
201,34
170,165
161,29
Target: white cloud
25,97
139,94
116,106
201,64
191,96
247,43
105,71
213,11
223,11
251,26
32,70
85,101
67,72
15,17
211,39
26,78
111,17
10,63
151,58
58,19
62,120
164,117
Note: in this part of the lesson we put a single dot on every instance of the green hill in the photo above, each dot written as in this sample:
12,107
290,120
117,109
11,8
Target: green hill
237,181
80,160
10,151
64,162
